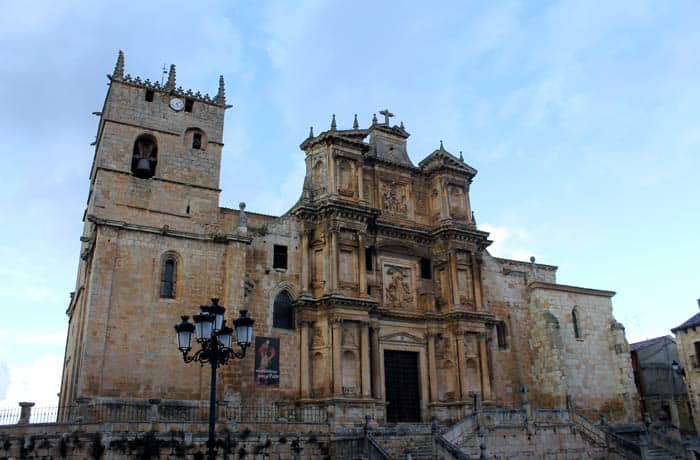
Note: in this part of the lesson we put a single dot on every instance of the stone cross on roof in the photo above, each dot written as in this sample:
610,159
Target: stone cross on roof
387,115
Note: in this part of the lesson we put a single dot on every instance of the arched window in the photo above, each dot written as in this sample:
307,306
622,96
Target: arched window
145,156
168,278
577,325
282,311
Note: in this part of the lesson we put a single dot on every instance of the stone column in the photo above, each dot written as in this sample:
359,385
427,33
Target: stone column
453,278
334,259
305,261
332,188
337,369
462,367
432,369
476,277
361,263
483,361
364,360
304,359
360,183
375,357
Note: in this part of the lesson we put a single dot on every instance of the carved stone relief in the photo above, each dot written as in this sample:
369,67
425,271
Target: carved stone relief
394,198
398,285
318,340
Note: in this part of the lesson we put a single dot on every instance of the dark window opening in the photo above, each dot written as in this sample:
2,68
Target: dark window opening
501,335
167,284
697,354
144,157
369,257
149,95
197,141
425,270
283,311
189,103
279,259
577,328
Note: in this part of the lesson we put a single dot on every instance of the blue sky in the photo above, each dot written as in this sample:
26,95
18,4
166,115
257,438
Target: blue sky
582,118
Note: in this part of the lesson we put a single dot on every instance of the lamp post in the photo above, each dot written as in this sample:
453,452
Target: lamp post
215,339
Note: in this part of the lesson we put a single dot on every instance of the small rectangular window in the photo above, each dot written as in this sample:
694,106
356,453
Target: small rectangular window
501,335
697,354
189,103
149,95
197,141
369,257
279,257
425,269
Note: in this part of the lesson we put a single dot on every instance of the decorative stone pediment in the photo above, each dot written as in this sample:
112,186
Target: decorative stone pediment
401,337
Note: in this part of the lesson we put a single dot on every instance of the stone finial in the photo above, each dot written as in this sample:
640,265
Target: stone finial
221,94
119,67
170,85
473,219
374,119
333,125
461,157
401,125
355,124
242,218
311,132
532,259
441,146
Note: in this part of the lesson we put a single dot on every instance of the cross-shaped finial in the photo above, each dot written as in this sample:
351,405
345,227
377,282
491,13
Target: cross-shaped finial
165,72
387,115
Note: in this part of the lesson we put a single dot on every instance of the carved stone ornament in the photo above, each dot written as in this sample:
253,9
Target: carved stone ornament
394,198
318,340
398,286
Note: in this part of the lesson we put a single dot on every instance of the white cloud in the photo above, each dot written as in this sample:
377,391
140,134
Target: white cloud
39,382
508,242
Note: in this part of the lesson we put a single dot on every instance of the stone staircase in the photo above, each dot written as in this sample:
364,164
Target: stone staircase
420,449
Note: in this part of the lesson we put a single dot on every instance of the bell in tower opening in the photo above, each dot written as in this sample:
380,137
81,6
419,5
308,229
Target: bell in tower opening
145,156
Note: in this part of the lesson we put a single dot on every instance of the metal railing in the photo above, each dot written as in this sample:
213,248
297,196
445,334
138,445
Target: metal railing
103,411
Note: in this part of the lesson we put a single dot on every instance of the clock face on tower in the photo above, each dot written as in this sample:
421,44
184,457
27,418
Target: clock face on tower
177,104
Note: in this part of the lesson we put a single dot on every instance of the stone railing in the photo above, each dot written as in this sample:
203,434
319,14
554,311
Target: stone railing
446,450
359,446
155,410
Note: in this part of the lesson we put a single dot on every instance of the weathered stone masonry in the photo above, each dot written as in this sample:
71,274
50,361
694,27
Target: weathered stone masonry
384,262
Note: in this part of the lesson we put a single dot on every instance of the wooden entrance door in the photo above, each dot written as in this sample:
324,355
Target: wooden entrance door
402,387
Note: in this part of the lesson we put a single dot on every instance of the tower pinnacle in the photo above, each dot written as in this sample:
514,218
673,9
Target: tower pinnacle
170,85
119,67
221,95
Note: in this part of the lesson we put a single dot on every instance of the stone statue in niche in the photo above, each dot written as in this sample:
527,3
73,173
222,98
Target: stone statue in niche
398,288
470,345
443,348
457,200
394,198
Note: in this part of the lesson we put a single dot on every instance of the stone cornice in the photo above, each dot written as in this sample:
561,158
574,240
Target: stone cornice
128,80
156,178
463,233
165,230
336,209
335,301
570,289
158,130
333,137
482,317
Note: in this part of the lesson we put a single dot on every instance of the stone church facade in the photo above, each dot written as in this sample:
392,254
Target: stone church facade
376,287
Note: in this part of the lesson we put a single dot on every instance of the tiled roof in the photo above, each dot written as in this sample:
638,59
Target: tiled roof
692,322
647,343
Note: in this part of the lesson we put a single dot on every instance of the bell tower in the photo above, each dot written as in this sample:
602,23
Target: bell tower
157,152
151,226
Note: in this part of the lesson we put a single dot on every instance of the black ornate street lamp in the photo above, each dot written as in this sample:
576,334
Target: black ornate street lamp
215,338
